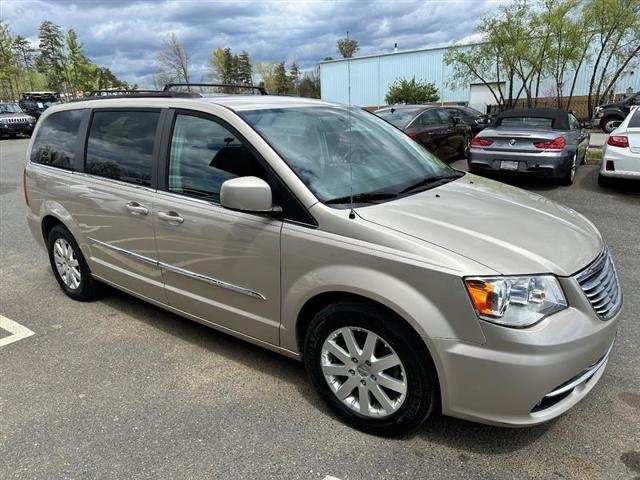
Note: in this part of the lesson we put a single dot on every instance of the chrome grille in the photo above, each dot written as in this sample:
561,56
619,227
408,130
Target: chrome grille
599,282
16,119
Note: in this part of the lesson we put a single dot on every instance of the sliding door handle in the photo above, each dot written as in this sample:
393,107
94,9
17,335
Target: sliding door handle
136,209
170,217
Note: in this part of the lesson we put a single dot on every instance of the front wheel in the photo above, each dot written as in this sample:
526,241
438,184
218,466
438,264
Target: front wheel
370,369
609,124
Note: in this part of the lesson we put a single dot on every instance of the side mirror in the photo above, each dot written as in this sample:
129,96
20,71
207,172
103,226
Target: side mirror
247,194
586,125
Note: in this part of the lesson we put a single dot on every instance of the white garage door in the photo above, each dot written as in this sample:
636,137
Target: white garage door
480,95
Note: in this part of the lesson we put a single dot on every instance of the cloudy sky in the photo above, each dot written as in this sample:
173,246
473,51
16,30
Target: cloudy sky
126,36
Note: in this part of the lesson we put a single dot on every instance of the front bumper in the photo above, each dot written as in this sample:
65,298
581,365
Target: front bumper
528,376
543,164
16,128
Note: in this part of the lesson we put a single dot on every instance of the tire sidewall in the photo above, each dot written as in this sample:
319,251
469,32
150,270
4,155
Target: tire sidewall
421,384
86,289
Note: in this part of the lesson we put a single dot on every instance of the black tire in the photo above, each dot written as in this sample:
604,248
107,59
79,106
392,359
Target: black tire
421,379
570,175
605,123
87,288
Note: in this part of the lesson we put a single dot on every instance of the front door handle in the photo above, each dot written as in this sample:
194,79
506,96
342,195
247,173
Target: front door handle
170,217
136,209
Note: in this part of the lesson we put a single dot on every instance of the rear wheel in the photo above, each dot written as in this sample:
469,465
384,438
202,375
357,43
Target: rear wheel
571,173
372,373
69,266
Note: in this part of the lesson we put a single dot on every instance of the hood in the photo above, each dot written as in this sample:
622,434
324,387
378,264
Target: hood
507,229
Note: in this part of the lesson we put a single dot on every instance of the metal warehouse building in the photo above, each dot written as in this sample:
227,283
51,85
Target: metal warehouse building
371,76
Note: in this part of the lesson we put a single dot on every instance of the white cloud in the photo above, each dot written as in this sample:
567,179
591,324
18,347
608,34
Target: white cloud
125,36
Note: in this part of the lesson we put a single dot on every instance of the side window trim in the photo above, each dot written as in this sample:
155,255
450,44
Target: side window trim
77,162
83,131
165,152
154,153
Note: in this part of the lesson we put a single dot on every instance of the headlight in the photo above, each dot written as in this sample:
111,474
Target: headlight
515,301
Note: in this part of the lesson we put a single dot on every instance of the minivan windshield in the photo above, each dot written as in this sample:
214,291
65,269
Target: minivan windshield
336,153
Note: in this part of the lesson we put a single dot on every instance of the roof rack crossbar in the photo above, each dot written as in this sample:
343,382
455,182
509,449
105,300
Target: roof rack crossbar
169,86
110,94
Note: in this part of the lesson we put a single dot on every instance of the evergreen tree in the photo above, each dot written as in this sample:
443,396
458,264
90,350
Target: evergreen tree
245,73
294,76
24,55
52,60
7,65
282,82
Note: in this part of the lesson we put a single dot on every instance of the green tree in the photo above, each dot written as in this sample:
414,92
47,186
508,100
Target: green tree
52,60
82,71
294,77
8,89
616,24
310,84
282,81
244,70
266,71
347,47
411,92
24,55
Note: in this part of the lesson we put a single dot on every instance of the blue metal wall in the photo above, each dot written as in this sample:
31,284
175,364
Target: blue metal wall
372,75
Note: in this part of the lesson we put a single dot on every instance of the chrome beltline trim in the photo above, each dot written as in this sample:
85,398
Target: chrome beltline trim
182,271
586,375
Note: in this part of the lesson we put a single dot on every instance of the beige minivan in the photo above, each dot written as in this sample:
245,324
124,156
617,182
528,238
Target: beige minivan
328,235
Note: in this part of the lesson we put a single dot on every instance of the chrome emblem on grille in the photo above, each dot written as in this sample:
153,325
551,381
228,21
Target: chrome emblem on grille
512,142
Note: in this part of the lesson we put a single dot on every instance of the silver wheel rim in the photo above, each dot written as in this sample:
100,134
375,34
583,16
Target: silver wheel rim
363,372
67,263
574,167
609,125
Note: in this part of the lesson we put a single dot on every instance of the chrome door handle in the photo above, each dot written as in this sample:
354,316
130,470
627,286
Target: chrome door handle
136,209
170,217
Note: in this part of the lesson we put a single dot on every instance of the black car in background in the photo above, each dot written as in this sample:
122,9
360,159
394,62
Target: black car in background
34,103
444,134
14,121
472,117
609,116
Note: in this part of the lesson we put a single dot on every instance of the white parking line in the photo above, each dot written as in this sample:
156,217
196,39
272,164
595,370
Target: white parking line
18,332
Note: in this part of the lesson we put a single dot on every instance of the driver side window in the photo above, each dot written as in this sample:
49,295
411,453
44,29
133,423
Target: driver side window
204,154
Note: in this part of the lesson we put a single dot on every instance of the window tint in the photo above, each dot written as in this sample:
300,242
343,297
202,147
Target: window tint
445,117
573,123
526,122
55,143
428,118
634,122
203,155
120,145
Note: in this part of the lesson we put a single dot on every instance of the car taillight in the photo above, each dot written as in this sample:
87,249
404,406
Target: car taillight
480,142
556,144
24,186
413,135
621,141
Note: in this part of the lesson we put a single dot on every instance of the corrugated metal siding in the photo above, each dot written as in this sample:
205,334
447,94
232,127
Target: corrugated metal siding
371,77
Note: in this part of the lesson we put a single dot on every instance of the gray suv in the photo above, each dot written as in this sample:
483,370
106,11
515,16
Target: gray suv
329,236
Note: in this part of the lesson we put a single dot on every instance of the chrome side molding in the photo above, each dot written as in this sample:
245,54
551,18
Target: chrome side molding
182,271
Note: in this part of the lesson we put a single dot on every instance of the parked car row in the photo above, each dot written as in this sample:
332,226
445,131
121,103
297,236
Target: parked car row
13,121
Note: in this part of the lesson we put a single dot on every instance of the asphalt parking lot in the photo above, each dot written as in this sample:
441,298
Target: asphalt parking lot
117,388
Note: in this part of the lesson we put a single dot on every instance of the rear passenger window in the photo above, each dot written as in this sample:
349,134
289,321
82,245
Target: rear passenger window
120,145
55,143
203,155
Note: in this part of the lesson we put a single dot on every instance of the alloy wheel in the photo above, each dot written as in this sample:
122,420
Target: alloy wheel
364,372
67,263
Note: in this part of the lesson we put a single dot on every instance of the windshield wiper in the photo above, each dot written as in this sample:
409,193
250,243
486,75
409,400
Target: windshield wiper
367,197
431,182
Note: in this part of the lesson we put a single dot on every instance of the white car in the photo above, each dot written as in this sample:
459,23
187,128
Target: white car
621,154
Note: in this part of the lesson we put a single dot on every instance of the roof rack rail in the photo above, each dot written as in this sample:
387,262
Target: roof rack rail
261,90
104,94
